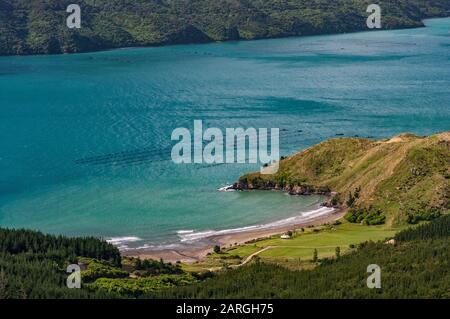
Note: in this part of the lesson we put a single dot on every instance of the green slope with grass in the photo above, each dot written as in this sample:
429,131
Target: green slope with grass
297,252
403,179
417,265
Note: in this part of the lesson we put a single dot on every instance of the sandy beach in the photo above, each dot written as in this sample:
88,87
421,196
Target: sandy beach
201,249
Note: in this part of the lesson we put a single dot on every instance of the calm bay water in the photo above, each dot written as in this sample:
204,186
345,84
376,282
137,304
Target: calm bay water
58,114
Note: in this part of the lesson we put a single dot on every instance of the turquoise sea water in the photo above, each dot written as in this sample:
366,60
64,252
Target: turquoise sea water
60,114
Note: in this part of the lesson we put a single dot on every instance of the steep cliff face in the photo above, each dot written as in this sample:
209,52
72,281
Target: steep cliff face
39,26
405,178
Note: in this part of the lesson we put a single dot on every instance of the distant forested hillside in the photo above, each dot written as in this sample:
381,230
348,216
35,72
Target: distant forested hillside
39,26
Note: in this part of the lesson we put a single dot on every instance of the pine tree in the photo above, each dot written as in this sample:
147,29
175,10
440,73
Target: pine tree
315,256
338,252
3,285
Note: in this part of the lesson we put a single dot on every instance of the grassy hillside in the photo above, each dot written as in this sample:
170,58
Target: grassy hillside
406,178
416,266
39,26
297,252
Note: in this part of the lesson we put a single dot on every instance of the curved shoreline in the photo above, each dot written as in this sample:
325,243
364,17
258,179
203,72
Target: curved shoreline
418,25
199,249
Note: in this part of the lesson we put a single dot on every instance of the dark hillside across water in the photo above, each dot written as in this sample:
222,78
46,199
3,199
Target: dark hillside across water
39,26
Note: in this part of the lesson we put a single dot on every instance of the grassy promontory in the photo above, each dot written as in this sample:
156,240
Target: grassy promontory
402,179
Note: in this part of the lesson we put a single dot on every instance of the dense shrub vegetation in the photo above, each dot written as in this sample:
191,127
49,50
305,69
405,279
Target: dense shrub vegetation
140,287
100,269
149,267
415,217
366,216
39,26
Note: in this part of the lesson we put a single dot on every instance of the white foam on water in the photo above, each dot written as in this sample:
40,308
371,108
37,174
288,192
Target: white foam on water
156,247
181,232
226,188
189,236
304,217
121,241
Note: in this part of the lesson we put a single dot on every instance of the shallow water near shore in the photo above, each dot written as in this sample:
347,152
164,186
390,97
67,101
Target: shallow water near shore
85,147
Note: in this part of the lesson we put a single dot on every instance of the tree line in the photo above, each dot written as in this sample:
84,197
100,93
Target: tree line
417,265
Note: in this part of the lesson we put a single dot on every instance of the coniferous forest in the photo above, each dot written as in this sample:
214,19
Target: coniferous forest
416,265
33,265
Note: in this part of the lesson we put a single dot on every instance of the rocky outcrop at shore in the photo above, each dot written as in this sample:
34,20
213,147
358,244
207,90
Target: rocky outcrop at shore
373,177
291,189
305,190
